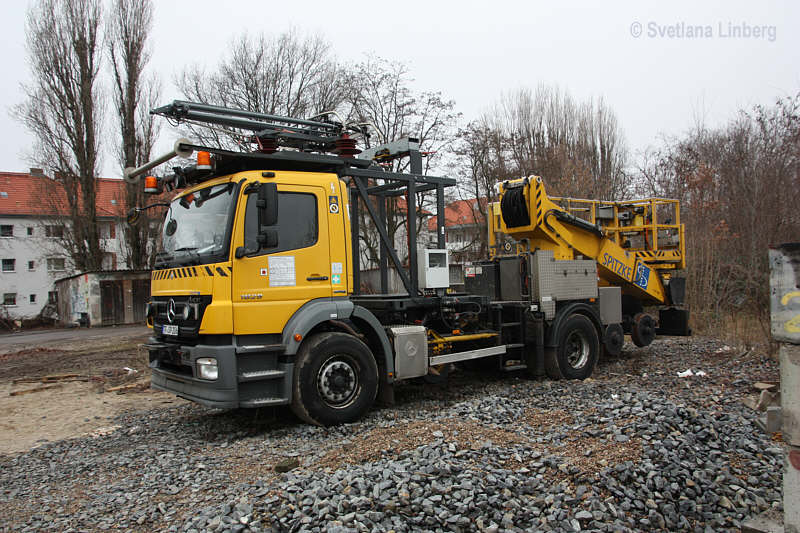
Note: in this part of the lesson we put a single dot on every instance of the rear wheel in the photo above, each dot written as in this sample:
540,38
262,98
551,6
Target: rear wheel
578,347
335,379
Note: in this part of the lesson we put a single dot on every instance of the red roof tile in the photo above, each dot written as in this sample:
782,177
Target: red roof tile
25,194
460,213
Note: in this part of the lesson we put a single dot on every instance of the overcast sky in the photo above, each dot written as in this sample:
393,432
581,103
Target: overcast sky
639,55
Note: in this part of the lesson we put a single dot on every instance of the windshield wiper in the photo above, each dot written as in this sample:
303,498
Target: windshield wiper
163,258
194,257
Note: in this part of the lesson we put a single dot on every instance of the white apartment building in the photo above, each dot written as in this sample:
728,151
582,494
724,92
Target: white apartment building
30,256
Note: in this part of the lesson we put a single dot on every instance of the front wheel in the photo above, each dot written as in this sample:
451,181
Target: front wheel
578,347
335,379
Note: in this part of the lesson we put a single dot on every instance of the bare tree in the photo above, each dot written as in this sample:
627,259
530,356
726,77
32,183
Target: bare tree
482,160
578,148
134,92
380,94
63,111
739,187
288,74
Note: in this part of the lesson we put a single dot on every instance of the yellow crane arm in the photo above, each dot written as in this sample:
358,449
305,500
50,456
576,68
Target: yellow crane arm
536,221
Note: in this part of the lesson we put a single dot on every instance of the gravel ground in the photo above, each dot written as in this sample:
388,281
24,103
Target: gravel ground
635,448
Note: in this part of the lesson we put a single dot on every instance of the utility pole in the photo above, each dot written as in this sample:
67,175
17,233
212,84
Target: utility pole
784,262
784,289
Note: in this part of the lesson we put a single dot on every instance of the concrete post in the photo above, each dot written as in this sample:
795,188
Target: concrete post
127,299
784,262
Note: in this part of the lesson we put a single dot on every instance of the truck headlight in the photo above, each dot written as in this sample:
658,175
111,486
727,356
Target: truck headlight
207,368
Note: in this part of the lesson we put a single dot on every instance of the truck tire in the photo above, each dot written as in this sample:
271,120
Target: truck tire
335,379
643,331
578,347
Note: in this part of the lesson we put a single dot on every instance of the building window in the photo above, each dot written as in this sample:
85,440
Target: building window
54,231
30,231
9,265
109,261
32,298
55,264
52,297
31,265
10,298
7,230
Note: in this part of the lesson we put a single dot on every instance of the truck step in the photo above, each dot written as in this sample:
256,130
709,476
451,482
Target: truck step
263,402
509,324
515,345
257,375
514,368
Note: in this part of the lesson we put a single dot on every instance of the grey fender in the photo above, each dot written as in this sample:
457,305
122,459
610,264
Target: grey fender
309,315
370,325
317,311
564,313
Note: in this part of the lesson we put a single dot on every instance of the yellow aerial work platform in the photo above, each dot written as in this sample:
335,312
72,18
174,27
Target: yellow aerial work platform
638,244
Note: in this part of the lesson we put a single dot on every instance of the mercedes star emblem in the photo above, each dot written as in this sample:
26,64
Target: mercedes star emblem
171,310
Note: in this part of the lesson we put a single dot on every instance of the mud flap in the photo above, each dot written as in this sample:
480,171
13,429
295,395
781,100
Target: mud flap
385,394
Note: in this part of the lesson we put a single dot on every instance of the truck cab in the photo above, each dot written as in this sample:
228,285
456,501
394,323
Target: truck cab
215,291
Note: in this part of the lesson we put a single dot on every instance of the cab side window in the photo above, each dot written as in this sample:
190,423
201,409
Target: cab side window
297,222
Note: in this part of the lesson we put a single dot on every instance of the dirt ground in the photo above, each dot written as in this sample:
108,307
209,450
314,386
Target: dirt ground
61,389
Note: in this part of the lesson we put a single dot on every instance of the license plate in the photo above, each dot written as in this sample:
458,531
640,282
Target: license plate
169,330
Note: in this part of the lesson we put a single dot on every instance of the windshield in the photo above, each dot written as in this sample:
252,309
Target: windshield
197,225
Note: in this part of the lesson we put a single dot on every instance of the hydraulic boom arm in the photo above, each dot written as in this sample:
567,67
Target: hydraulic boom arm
621,236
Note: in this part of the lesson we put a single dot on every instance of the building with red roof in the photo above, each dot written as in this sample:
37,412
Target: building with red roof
465,229
31,207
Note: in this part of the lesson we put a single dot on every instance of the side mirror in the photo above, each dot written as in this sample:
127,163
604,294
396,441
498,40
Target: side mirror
267,237
267,212
267,205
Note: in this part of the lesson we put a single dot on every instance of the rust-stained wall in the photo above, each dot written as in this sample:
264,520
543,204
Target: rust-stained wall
80,296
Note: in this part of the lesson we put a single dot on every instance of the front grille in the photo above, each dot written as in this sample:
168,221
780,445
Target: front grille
187,328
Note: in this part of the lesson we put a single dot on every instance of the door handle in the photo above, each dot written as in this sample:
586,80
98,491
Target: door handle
317,278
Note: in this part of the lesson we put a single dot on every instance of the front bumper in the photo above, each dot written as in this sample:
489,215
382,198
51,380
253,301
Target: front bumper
244,380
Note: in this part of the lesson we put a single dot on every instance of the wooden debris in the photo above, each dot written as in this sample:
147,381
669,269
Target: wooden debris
751,402
53,378
59,377
35,389
284,465
130,387
761,385
768,398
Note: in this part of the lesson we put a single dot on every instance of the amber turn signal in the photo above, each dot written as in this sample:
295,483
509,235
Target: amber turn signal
151,185
298,337
203,161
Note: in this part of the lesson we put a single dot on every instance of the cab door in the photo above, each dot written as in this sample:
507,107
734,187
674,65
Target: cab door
270,286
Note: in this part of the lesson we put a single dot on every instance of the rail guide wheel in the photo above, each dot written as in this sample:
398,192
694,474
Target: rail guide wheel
643,331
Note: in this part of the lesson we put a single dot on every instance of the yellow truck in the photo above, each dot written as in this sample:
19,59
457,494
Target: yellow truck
256,290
